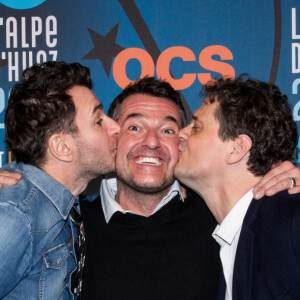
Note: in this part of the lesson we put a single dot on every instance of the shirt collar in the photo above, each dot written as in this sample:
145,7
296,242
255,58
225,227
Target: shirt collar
227,230
59,195
108,191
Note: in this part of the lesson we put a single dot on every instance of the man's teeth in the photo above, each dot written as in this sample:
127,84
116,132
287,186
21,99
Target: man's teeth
149,161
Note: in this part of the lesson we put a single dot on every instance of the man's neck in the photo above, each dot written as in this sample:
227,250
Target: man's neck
65,175
137,201
221,196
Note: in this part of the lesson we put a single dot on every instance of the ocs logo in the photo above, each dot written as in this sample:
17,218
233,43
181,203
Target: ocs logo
206,60
21,4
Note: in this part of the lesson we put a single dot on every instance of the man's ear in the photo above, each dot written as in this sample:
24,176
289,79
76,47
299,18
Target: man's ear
240,148
60,146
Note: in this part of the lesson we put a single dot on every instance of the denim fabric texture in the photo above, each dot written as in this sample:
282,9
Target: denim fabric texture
36,244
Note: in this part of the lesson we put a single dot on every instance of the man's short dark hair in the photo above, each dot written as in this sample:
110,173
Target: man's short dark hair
259,110
148,86
39,106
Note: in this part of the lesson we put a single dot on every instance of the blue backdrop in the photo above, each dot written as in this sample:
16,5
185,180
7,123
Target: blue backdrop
186,43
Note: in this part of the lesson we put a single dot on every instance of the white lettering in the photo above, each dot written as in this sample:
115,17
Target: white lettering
1,154
11,32
2,105
54,54
295,58
24,59
51,29
13,66
23,30
296,111
295,86
294,34
36,29
41,57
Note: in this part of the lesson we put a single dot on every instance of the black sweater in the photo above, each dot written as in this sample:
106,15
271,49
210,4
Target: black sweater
169,255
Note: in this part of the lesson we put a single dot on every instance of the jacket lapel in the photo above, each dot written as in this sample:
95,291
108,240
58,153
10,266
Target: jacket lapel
242,272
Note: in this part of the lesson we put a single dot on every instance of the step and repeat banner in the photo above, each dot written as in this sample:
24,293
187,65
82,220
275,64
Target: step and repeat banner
185,42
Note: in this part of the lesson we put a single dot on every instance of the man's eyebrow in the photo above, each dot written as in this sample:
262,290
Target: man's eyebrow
133,115
98,107
197,120
139,115
172,119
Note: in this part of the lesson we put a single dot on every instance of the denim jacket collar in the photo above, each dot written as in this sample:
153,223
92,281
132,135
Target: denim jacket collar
59,195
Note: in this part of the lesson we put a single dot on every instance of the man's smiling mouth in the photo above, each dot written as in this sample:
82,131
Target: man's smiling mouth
148,161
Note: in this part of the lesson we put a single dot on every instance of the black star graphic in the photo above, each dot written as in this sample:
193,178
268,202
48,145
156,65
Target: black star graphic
3,62
105,47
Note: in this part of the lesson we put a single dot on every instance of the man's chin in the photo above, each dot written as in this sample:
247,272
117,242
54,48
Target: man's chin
150,187
108,169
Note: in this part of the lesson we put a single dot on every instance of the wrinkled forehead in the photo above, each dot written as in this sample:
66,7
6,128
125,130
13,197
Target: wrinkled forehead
149,107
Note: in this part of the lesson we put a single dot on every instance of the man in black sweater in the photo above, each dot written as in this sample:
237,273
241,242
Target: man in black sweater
144,240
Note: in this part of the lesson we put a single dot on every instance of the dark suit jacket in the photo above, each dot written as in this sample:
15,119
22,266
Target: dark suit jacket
267,262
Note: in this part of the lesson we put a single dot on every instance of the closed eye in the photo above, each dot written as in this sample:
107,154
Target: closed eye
195,128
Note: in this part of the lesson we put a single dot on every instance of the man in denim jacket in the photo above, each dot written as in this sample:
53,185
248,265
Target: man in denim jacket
61,139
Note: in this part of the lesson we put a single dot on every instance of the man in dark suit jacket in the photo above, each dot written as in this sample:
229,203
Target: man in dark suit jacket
242,128
267,263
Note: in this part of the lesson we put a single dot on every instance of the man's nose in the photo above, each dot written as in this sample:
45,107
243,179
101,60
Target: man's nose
113,128
151,139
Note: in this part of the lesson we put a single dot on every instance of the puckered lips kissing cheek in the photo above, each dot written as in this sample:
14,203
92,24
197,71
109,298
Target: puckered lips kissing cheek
113,145
181,147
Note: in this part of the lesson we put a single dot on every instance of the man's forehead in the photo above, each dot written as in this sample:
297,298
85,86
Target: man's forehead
146,105
163,119
86,102
207,106
206,112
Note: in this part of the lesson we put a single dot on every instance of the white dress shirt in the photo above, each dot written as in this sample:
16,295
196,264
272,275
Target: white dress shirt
227,234
108,191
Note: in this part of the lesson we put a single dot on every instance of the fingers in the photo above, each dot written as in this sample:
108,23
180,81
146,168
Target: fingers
295,189
274,186
277,172
277,180
9,178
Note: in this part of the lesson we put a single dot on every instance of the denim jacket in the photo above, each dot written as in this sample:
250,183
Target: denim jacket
36,245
